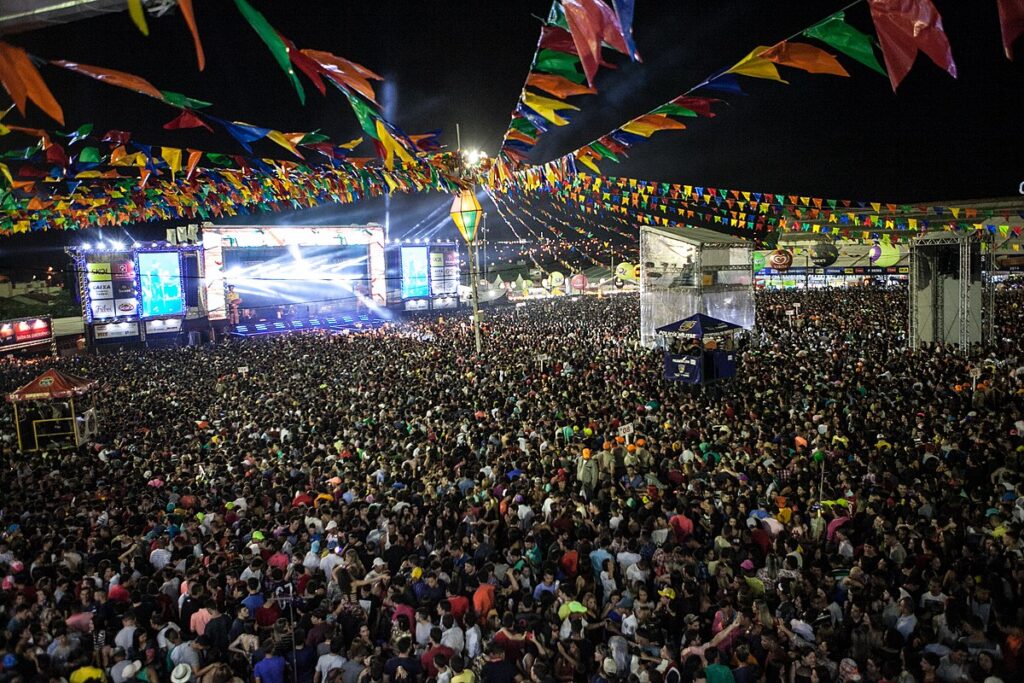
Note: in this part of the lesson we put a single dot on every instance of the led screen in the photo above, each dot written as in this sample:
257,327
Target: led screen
415,282
219,241
160,282
296,280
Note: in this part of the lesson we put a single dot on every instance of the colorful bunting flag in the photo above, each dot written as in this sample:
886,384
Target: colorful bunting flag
806,57
547,107
1011,23
22,81
755,66
185,7
906,26
559,86
273,41
835,32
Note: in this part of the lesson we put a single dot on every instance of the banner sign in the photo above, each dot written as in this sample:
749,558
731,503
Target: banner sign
22,332
683,368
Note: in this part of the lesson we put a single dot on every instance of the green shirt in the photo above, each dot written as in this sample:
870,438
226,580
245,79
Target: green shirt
718,673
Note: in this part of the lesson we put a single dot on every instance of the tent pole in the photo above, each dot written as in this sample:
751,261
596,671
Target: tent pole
17,426
74,421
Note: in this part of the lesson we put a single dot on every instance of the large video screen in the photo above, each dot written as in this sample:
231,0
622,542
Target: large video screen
415,282
160,283
277,281
219,240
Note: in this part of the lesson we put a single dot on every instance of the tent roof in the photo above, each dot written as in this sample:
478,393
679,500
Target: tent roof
698,236
698,325
50,385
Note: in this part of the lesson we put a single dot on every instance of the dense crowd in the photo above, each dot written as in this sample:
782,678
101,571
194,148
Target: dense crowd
386,507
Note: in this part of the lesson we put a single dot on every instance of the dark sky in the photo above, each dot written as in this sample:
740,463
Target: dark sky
449,61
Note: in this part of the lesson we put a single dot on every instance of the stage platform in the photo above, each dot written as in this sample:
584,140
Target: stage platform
341,323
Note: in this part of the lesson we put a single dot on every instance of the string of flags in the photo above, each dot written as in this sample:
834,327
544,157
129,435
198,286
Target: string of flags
903,28
568,53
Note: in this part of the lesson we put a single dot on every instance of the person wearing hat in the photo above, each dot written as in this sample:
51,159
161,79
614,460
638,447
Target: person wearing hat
587,473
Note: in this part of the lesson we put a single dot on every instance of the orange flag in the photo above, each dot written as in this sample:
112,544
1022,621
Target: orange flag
345,72
113,77
648,124
559,86
806,57
22,81
190,18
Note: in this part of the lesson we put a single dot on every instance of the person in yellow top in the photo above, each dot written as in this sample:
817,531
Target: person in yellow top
87,673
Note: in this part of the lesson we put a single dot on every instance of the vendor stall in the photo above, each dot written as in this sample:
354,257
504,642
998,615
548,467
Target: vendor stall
55,410
699,349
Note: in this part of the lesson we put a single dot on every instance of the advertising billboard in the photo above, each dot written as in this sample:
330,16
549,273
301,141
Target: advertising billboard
110,286
24,332
444,272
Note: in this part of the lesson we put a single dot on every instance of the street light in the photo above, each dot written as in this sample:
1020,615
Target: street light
468,216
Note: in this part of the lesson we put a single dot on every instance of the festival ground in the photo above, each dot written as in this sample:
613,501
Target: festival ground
378,507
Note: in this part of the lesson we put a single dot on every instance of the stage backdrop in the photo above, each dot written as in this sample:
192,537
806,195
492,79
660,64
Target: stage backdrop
299,258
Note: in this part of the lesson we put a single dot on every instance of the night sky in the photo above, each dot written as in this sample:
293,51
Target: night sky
458,61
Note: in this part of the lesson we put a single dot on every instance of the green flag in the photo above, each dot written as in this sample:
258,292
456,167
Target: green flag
366,115
556,17
604,151
524,126
674,110
273,41
835,32
89,155
558,63
179,100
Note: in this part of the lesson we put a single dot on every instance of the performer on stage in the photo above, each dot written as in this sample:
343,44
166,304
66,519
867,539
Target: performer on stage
234,304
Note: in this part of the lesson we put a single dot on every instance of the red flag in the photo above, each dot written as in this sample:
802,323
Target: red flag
906,26
558,39
186,119
586,25
700,105
1011,20
117,137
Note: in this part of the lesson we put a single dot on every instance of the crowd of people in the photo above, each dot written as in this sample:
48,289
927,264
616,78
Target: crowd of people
386,507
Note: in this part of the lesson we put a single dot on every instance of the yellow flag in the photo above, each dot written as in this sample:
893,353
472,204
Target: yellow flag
138,16
279,137
547,107
172,155
588,162
351,144
391,147
757,67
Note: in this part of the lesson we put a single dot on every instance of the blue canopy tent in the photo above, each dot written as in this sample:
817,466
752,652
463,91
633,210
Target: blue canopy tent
695,363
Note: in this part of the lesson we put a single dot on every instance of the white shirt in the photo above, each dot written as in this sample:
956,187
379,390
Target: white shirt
454,638
474,641
328,663
159,558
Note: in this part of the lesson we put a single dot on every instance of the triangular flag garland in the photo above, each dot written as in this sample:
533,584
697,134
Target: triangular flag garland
568,54
904,26
55,187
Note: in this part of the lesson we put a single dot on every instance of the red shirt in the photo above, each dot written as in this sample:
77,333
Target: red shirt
682,526
427,659
460,605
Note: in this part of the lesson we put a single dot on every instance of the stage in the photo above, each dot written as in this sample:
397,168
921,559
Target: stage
343,323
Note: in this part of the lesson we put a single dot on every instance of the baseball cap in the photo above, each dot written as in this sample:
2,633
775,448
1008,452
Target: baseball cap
668,592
